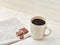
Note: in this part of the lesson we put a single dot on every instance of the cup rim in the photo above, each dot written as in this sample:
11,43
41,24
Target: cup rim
38,17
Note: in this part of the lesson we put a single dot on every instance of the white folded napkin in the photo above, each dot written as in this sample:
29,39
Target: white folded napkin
8,29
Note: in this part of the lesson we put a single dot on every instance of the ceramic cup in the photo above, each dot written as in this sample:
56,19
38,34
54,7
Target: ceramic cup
38,27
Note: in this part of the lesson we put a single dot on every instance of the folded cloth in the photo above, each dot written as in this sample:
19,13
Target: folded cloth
8,29
13,40
10,23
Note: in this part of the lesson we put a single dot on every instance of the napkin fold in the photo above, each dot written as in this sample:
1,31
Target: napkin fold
11,41
8,29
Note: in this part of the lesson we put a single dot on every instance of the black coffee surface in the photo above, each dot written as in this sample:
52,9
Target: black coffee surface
38,22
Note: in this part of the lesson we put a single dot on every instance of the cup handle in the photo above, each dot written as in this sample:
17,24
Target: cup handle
49,32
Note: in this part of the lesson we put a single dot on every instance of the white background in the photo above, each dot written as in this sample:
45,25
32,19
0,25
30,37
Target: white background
48,8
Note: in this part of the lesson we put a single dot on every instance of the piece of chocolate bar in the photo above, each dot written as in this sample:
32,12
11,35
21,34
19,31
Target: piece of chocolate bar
21,36
21,32
24,30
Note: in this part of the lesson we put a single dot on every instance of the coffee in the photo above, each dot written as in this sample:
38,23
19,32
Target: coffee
38,22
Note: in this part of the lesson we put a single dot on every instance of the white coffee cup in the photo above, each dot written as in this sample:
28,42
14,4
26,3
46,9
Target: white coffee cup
38,31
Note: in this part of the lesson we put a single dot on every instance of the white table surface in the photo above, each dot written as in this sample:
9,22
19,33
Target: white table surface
53,39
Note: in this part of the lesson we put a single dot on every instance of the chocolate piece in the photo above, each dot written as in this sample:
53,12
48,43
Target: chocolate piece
21,33
24,30
21,36
17,33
